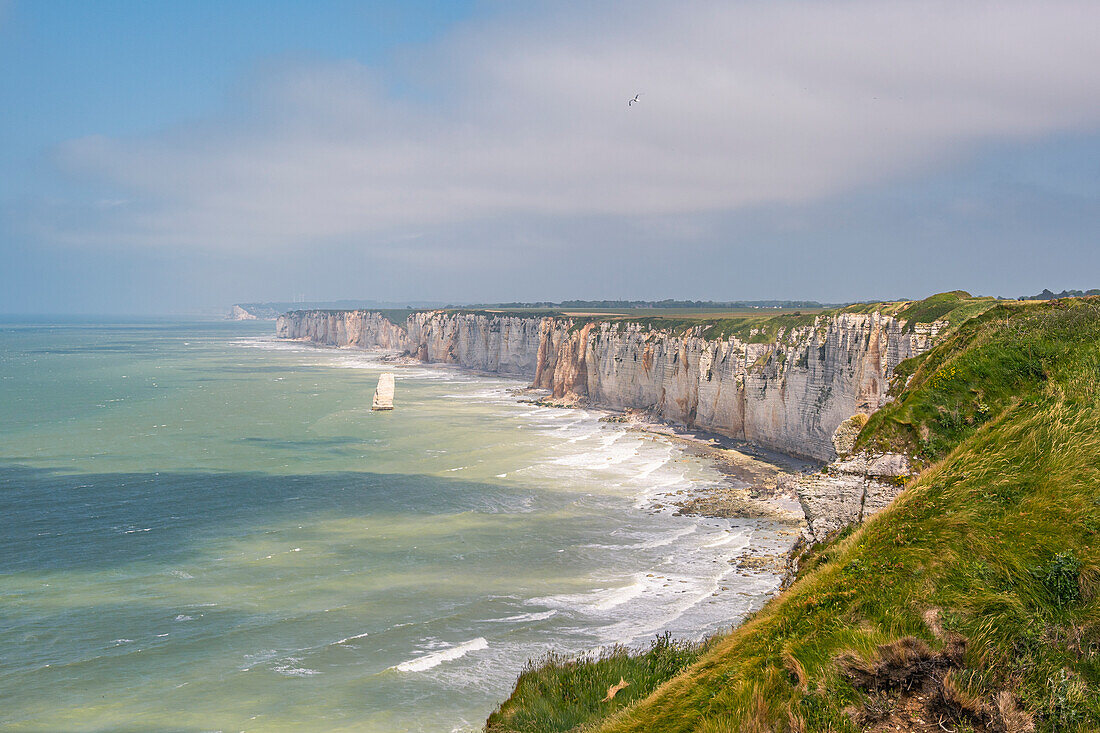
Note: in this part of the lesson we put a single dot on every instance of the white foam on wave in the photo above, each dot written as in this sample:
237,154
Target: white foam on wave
662,540
270,344
351,638
427,661
522,617
496,395
647,470
668,539
619,596
606,454
292,670
730,537
596,601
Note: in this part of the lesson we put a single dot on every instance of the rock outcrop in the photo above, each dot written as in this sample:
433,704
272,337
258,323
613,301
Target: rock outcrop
787,393
237,313
848,491
383,393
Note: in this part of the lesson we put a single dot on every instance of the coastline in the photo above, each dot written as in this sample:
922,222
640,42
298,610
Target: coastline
751,487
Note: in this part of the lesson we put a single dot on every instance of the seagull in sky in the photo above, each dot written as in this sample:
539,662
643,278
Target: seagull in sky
635,99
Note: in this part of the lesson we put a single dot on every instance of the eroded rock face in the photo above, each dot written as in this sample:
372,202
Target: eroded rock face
789,395
844,437
500,345
362,329
849,491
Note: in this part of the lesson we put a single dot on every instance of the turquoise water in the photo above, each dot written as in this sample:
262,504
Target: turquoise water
205,529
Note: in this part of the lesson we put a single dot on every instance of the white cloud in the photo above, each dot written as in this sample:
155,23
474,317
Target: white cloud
742,104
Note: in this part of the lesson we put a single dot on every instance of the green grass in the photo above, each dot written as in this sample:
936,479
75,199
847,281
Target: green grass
1000,535
1006,355
559,693
397,316
954,308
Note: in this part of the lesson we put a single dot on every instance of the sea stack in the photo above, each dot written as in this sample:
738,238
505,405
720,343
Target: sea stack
383,395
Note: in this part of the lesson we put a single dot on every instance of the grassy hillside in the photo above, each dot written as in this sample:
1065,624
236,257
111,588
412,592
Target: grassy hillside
971,604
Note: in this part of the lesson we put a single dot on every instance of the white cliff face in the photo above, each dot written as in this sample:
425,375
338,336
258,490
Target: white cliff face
361,329
789,395
237,313
501,345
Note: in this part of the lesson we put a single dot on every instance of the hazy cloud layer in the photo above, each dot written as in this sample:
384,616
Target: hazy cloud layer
742,104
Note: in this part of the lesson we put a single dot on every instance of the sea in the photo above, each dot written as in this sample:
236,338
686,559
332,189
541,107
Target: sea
205,529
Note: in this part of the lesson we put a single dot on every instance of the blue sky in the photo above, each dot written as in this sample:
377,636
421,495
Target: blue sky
178,157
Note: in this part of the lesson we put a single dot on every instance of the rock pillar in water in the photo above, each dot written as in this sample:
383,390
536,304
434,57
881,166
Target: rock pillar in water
383,395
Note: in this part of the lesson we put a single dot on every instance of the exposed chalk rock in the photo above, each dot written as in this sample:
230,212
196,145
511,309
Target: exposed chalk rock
237,313
383,394
849,491
844,437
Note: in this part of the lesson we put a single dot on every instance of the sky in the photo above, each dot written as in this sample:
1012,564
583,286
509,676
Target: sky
178,157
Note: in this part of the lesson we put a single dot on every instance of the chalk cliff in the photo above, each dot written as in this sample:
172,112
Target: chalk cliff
361,329
237,313
788,392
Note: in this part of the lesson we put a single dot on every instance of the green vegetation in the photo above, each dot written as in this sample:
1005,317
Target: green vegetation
397,316
954,308
559,693
1007,355
667,304
972,603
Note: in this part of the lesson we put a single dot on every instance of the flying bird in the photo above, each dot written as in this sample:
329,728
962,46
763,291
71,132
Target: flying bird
634,100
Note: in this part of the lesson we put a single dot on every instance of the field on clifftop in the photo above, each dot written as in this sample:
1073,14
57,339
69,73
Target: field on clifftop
971,604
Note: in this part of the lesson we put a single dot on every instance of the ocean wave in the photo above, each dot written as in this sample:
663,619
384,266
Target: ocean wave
351,638
605,456
730,537
291,670
662,540
427,661
667,539
520,618
597,601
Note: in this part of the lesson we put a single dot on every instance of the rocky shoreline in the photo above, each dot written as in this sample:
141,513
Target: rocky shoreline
757,484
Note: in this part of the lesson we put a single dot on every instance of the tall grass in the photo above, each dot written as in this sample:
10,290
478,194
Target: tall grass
559,692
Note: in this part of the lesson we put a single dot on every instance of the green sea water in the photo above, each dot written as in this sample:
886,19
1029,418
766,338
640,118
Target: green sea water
204,529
